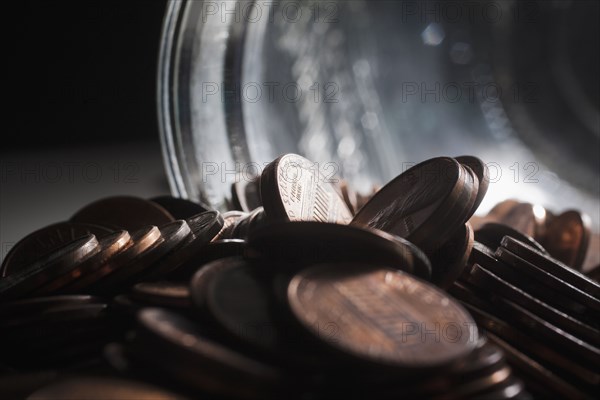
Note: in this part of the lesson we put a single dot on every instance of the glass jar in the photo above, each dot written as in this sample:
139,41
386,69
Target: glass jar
369,88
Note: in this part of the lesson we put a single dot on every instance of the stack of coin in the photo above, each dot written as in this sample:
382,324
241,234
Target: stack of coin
544,314
304,290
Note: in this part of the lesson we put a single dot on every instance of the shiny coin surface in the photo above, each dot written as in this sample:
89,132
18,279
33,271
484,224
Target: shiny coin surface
238,299
293,189
381,315
44,241
180,208
57,263
141,241
123,212
148,264
245,195
552,266
547,383
299,243
210,365
522,218
567,238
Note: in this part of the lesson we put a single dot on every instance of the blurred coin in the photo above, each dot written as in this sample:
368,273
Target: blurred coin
162,294
548,383
299,243
123,212
293,189
547,279
592,258
205,226
180,208
245,225
245,195
55,264
141,241
37,305
44,241
502,209
552,266
522,218
491,235
59,313
381,315
109,246
17,386
230,218
95,388
449,262
203,363
567,238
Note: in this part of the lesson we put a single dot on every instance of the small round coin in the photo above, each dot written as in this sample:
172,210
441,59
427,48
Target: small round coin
123,212
382,315
567,238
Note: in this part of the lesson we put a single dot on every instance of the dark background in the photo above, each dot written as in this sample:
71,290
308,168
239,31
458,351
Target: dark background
81,72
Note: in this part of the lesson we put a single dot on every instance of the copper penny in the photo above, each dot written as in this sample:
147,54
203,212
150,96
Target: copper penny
382,315
57,263
567,238
109,246
141,240
46,240
414,204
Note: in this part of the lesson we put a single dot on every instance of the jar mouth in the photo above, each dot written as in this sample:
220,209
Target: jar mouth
384,87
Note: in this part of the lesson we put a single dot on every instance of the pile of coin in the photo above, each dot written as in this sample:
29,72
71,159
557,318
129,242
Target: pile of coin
303,291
